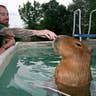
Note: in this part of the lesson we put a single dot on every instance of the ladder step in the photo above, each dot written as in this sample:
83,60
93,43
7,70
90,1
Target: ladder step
84,35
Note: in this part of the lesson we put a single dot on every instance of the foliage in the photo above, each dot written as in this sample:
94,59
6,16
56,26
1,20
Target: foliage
31,15
56,17
49,15
86,7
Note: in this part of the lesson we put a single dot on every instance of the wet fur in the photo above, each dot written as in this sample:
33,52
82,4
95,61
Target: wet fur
73,74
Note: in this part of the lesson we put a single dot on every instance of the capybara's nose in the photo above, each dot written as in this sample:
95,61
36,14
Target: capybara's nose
57,39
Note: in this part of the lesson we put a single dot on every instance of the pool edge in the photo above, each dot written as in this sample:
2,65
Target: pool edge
5,57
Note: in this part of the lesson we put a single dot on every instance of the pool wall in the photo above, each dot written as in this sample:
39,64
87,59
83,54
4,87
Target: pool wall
5,58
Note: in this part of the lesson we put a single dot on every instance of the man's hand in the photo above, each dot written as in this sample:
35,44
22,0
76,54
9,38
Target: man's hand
45,34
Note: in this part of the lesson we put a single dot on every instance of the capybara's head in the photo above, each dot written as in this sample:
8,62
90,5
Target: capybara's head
68,46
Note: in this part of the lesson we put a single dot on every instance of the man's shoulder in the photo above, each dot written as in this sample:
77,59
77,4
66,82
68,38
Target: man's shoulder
2,26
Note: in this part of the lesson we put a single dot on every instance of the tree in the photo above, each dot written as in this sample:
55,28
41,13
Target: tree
86,7
56,17
49,15
31,15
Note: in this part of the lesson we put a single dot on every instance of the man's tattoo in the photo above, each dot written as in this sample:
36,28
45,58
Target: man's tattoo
16,32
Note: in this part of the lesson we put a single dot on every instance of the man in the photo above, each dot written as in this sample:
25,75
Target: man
8,40
5,42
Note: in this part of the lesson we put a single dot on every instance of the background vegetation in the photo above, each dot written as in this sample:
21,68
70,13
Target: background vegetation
56,17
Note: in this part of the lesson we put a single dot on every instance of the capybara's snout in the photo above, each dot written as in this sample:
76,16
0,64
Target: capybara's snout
57,39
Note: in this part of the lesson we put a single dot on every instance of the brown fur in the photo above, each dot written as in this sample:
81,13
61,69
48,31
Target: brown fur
72,74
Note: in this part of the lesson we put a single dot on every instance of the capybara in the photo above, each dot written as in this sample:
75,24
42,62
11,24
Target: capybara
73,73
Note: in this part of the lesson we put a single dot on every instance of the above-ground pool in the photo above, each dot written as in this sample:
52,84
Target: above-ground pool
30,71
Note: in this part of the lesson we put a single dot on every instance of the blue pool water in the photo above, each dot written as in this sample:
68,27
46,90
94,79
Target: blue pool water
31,69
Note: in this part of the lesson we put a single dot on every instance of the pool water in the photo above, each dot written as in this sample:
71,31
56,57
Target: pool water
31,71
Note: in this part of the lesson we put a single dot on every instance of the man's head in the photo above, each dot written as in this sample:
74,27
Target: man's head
4,16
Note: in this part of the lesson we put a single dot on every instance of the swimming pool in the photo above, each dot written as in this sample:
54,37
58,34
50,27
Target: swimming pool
30,70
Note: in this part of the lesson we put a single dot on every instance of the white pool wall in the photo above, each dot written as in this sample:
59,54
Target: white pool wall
5,58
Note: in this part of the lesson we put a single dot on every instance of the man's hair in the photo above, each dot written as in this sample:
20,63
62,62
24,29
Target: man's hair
3,6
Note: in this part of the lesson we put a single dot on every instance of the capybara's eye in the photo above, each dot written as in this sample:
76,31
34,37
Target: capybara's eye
78,44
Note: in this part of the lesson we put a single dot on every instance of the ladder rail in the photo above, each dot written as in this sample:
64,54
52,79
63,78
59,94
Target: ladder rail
74,22
90,21
80,35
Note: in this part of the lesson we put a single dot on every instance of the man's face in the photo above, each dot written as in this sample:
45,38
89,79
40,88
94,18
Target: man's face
4,16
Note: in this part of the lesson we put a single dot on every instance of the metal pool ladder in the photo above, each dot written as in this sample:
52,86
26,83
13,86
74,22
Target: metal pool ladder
80,35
